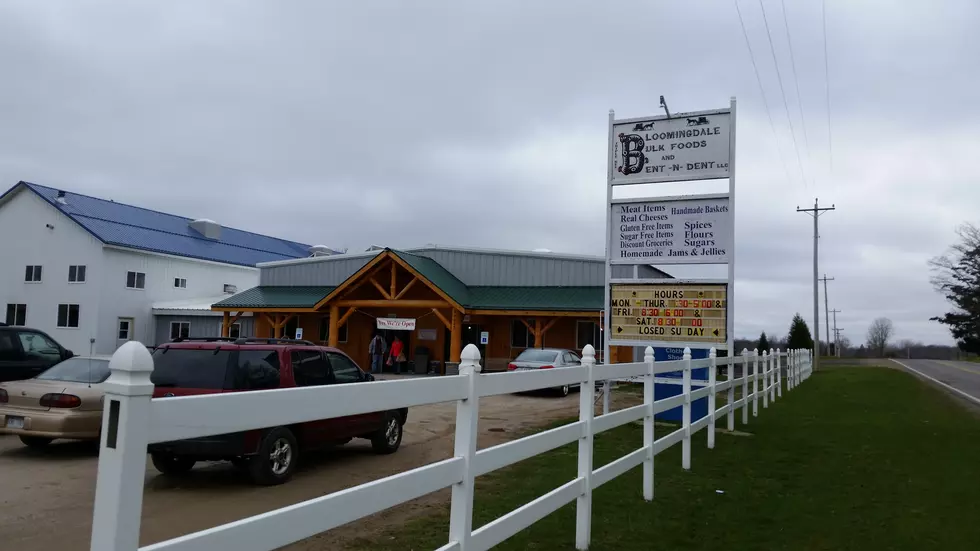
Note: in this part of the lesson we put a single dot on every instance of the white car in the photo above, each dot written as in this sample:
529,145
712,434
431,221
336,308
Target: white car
546,358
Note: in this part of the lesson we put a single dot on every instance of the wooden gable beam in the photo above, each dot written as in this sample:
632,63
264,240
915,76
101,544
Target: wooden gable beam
406,287
442,318
393,274
343,319
380,289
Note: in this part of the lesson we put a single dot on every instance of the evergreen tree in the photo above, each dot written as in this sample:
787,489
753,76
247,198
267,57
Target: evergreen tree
763,342
799,334
957,276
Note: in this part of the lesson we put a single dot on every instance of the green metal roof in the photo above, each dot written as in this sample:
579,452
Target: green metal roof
565,299
276,297
437,275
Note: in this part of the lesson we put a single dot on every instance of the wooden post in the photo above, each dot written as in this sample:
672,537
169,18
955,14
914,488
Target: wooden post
686,413
586,411
393,294
225,324
122,457
456,337
333,337
648,426
712,375
467,425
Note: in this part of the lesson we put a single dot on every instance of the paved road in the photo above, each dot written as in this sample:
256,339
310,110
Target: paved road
961,376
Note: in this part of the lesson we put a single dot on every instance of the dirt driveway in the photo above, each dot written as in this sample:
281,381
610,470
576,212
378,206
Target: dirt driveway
46,497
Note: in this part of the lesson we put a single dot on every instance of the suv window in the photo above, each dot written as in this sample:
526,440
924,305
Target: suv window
257,369
190,368
9,351
344,370
37,346
310,369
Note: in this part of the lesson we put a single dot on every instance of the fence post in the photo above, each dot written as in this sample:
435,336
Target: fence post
467,420
755,382
796,367
779,374
766,361
712,376
648,426
772,375
731,389
586,407
606,395
745,386
122,457
686,412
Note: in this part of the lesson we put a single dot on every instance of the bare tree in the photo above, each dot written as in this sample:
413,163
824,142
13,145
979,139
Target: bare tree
878,334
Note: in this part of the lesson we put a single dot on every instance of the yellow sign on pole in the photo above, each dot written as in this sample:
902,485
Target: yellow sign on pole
689,313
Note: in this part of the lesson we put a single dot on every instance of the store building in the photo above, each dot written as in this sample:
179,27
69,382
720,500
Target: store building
501,301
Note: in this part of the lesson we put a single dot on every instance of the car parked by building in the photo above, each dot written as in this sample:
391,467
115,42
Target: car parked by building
26,352
190,367
546,358
64,401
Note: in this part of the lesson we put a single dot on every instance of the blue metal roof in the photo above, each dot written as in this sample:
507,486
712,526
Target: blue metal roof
138,228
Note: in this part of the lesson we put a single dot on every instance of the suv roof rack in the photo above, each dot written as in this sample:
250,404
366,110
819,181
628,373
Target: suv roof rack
203,339
244,340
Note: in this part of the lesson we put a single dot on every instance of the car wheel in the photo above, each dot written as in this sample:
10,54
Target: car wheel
35,442
276,459
387,439
171,464
564,390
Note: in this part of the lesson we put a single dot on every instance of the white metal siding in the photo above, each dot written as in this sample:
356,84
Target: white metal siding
201,326
326,272
26,239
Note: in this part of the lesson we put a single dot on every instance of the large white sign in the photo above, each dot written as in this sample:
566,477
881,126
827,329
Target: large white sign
692,146
397,324
681,231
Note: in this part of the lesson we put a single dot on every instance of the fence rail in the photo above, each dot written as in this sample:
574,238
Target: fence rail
132,420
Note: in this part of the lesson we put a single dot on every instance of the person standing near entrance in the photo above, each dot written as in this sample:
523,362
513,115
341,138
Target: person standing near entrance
377,349
397,354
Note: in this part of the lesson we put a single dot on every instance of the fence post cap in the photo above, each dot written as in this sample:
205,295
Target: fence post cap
687,353
588,352
129,371
764,352
745,351
713,353
470,359
648,354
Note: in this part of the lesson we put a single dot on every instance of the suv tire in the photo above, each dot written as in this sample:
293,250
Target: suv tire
171,464
36,442
388,438
276,458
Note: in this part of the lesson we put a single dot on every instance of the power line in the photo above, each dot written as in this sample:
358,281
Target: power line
799,97
762,92
782,90
826,74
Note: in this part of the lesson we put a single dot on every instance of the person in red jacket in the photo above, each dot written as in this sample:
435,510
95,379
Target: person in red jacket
397,355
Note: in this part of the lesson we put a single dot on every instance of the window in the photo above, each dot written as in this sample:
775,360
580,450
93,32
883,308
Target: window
180,330
190,368
135,280
78,370
588,332
68,315
309,368
520,335
76,274
230,289
235,331
32,274
38,347
568,358
325,331
16,314
125,329
9,352
257,369
344,369
180,283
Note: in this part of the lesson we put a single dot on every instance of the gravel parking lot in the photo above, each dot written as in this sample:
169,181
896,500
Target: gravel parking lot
46,496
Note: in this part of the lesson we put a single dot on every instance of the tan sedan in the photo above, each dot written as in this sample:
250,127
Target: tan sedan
65,401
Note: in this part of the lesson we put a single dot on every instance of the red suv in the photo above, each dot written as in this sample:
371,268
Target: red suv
189,367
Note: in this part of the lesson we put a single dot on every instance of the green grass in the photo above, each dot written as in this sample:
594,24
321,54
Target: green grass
860,459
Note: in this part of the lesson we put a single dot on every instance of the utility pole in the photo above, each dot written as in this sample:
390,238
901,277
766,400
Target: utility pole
826,309
815,212
836,333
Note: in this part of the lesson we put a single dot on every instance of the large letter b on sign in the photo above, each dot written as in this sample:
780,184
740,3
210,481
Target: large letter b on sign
633,159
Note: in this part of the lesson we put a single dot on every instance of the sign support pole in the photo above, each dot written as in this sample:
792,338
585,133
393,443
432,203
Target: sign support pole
730,295
607,323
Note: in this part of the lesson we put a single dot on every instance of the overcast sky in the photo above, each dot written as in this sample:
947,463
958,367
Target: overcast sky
483,124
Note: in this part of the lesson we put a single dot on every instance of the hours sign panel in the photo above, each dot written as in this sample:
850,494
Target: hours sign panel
691,146
681,231
669,313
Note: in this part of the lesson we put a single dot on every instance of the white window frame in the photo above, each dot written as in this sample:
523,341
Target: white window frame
238,325
36,272
136,280
68,325
180,283
179,323
129,329
76,267
15,305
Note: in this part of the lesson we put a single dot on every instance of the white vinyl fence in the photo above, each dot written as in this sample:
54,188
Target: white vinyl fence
132,420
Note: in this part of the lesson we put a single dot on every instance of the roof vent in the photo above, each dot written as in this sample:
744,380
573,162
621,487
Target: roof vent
230,289
207,228
373,248
61,198
541,251
323,250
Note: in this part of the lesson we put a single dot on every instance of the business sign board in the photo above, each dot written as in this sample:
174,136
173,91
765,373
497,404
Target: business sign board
689,146
683,313
694,230
397,324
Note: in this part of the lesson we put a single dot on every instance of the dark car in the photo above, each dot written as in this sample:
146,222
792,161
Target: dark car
210,366
26,353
